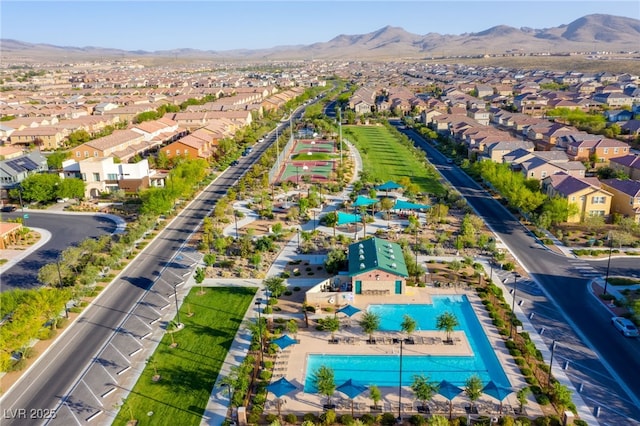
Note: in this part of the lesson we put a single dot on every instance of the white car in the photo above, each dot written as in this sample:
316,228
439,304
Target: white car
625,326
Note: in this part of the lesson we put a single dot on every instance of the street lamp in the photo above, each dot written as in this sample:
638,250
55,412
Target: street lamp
66,309
606,279
400,387
553,347
297,177
259,303
175,296
513,303
235,218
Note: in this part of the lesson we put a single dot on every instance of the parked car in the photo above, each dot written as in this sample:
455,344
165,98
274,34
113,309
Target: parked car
625,326
8,209
234,163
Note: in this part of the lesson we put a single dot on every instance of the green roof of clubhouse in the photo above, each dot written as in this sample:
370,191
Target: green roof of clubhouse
376,254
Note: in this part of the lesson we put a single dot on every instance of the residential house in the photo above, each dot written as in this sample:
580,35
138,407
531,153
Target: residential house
530,104
628,164
103,175
615,115
497,150
603,149
626,197
482,116
46,138
614,100
585,193
15,170
7,152
123,144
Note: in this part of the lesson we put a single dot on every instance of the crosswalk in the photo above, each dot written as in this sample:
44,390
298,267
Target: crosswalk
584,268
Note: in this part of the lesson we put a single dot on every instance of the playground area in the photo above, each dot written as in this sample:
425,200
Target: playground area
304,146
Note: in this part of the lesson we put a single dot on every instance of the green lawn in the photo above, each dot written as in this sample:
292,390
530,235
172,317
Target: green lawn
189,371
385,158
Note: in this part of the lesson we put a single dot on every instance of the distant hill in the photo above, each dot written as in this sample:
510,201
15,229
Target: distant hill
596,32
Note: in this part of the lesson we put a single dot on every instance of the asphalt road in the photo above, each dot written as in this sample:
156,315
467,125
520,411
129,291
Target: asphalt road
42,391
66,230
566,287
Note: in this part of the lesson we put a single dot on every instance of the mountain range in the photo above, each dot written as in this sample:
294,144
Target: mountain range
597,32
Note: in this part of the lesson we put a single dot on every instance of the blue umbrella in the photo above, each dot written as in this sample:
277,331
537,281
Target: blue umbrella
284,341
497,391
279,388
449,391
351,389
349,310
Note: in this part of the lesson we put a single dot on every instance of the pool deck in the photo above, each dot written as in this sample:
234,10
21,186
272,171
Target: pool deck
291,363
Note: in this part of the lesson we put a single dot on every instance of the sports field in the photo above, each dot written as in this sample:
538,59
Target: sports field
385,158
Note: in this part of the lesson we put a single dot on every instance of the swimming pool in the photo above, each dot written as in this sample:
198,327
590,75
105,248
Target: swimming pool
383,370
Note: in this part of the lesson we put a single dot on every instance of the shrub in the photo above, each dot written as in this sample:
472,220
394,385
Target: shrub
288,293
310,417
580,422
61,322
265,375
253,418
388,419
291,418
417,420
296,288
270,418
345,419
542,399
367,419
328,417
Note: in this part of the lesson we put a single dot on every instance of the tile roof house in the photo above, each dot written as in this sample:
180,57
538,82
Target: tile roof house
496,151
377,266
123,144
626,197
628,164
585,193
48,138
603,148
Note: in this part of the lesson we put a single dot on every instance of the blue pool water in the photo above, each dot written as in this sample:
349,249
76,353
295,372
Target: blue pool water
383,370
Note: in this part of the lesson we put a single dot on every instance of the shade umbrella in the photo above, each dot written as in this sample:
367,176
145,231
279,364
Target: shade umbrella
351,389
497,391
388,185
449,391
361,200
279,388
284,341
349,310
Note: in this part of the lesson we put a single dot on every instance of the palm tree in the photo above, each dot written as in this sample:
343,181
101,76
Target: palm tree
522,396
473,389
376,395
447,322
424,389
370,322
386,204
331,219
408,326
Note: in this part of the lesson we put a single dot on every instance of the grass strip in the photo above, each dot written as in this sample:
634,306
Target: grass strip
385,158
188,371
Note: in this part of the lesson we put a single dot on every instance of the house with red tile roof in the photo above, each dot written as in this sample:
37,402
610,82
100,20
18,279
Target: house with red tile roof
626,197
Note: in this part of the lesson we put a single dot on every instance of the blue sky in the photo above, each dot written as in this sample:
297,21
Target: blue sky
224,25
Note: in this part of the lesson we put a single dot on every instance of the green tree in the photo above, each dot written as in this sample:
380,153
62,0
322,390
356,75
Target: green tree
438,420
330,324
331,220
275,285
376,395
386,204
455,266
55,159
408,325
370,323
324,380
424,388
473,388
71,188
336,260
523,395
561,396
447,321
39,187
